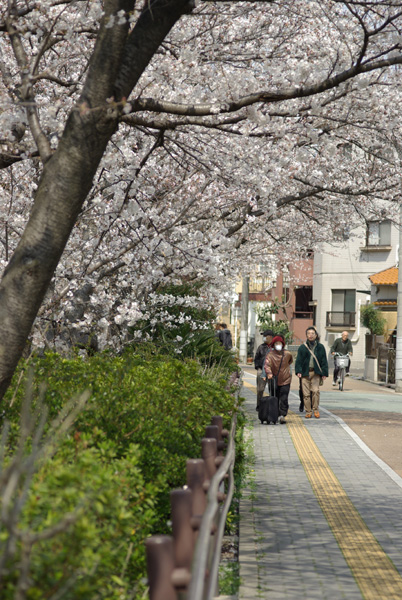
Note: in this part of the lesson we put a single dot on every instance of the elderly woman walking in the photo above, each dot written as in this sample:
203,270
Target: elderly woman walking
277,366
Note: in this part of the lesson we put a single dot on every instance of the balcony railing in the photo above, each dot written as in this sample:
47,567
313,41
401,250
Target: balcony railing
341,319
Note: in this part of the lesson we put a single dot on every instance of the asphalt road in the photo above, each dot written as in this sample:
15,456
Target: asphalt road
372,411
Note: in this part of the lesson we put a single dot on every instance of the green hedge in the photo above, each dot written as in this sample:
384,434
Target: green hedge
114,469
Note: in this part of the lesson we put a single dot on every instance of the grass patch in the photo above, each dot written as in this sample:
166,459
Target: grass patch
229,578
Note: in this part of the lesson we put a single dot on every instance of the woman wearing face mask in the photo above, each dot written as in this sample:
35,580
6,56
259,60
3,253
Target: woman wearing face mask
277,364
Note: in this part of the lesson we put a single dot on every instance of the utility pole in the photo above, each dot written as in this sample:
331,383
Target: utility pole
398,358
244,319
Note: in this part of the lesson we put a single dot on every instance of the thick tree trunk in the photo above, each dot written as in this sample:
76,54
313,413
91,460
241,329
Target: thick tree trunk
117,63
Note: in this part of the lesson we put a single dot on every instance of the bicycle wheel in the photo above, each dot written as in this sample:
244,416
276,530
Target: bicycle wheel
341,379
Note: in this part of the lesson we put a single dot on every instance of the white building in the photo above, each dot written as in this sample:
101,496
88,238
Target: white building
341,282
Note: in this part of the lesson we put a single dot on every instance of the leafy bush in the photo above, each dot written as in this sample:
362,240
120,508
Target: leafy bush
202,346
126,450
100,553
74,515
264,312
178,324
279,328
372,319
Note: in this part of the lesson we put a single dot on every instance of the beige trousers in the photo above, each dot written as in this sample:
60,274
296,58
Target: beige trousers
311,384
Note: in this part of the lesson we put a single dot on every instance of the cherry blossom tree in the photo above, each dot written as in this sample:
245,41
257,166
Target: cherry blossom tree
150,142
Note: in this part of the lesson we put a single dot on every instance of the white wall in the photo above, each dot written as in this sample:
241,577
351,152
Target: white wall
347,266
385,292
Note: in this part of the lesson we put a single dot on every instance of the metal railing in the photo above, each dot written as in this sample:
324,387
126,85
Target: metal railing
341,319
208,549
386,363
186,565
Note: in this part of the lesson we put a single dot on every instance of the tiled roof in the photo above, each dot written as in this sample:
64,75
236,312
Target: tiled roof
387,277
386,303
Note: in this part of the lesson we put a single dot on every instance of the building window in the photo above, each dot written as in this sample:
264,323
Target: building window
303,295
343,313
344,300
378,233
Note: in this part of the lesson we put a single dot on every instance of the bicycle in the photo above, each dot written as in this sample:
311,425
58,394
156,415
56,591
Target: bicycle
341,362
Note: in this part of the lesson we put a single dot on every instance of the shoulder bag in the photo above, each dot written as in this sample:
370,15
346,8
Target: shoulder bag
316,360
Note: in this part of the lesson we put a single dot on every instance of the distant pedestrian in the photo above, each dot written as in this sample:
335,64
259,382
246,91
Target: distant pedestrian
259,360
342,346
225,337
277,367
312,366
218,328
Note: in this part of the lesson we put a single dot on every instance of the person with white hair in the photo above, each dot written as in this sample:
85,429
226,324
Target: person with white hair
342,346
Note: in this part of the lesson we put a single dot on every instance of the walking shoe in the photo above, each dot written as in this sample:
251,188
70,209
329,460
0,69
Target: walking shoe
347,374
282,420
301,406
307,416
316,414
334,383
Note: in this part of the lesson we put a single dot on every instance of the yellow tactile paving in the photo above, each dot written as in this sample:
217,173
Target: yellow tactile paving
374,572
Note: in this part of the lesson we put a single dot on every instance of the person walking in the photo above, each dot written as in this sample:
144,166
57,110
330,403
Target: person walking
341,346
225,337
259,360
277,366
312,367
217,329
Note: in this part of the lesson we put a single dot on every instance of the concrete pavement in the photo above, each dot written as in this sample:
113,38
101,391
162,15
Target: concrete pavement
322,513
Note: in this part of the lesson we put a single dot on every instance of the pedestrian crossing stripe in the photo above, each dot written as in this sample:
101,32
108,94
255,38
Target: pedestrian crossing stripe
373,570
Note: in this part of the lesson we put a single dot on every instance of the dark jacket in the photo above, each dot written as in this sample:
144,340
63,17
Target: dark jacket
225,338
342,347
260,355
303,360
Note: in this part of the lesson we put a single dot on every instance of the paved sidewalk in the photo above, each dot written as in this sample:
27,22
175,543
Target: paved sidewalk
322,515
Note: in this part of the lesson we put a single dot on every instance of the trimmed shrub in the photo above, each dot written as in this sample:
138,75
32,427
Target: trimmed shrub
114,469
100,553
371,318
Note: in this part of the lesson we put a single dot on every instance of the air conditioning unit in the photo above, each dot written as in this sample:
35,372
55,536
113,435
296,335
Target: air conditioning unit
331,338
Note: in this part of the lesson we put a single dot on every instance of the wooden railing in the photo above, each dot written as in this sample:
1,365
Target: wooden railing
185,566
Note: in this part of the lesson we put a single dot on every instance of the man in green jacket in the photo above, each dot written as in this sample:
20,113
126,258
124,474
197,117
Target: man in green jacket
342,346
311,366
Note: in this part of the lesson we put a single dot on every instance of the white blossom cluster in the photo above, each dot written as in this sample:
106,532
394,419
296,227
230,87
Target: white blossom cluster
210,183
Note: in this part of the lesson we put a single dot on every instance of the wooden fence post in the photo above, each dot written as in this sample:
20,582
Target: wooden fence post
196,476
209,453
160,566
183,537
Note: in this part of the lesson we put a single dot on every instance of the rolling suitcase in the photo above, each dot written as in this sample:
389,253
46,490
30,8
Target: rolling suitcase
268,409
